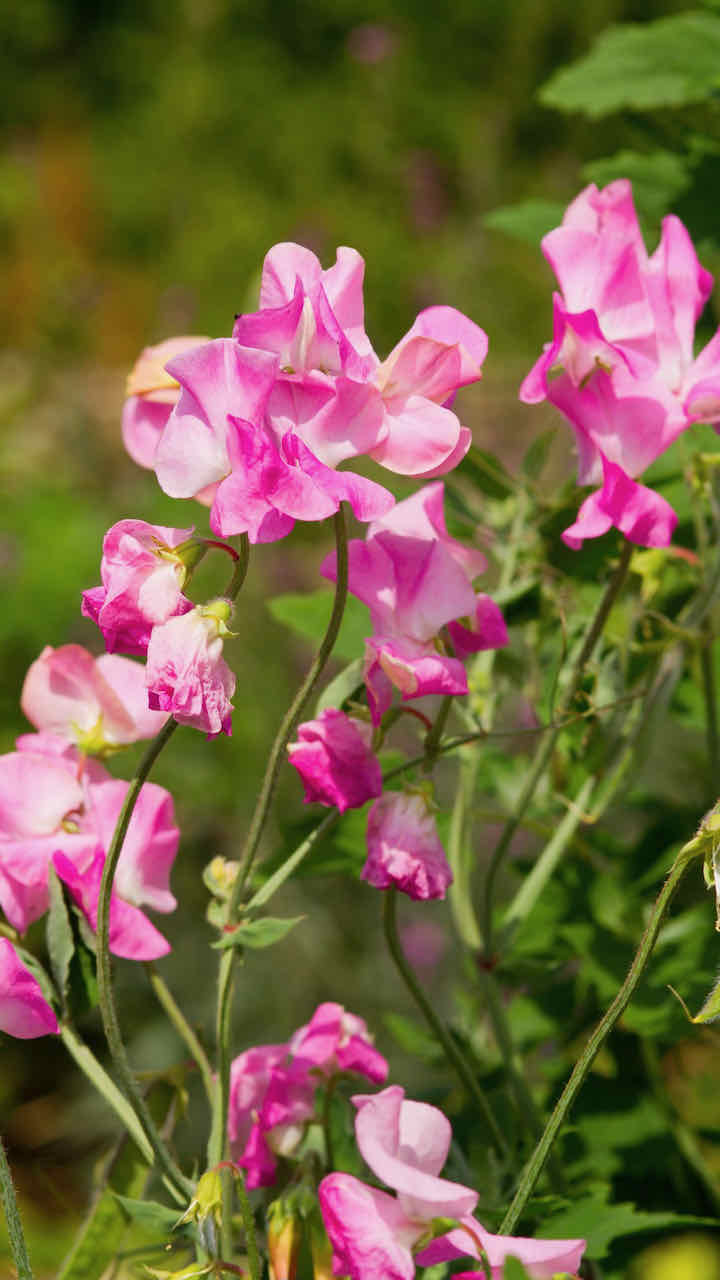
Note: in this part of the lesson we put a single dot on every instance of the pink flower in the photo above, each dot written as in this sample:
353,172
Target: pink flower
542,1259
24,1011
415,580
142,581
405,1144
152,393
335,1040
623,339
335,760
94,703
50,803
131,935
186,674
404,848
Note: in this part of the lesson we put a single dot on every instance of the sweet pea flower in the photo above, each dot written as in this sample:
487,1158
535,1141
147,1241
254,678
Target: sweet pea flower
143,572
404,849
53,802
186,675
93,703
542,1259
272,1087
405,1144
335,760
24,1011
628,384
152,393
416,579
131,935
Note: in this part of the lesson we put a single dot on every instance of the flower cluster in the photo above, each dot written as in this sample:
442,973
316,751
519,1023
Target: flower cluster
257,424
272,1087
620,366
378,1236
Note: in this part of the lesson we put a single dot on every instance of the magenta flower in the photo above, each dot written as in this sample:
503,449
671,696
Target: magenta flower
404,848
24,1011
335,760
187,676
335,1040
50,803
142,580
152,394
623,343
405,1144
94,703
542,1259
416,579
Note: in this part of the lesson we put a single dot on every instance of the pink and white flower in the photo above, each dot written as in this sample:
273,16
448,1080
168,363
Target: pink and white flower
143,575
93,703
335,760
404,849
24,1011
187,676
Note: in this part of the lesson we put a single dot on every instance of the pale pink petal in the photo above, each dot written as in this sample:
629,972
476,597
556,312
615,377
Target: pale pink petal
422,516
24,1011
421,436
284,264
143,422
541,1258
36,793
150,845
127,681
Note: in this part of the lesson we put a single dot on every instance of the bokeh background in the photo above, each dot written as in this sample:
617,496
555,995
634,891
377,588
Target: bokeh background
150,154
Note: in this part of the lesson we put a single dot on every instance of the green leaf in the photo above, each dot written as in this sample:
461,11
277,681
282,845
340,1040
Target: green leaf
342,687
601,1223
257,934
309,613
668,63
659,178
59,935
711,1008
528,221
487,473
150,1214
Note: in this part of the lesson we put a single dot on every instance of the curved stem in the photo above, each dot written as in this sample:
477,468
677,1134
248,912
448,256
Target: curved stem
183,1028
547,745
16,1236
433,736
108,1010
453,1054
534,1167
216,1149
240,566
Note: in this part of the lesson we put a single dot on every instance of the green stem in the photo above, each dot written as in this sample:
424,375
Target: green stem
240,568
16,1236
452,1052
535,1165
183,1028
104,971
547,745
99,1078
216,1148
246,1214
710,694
433,736
460,859
278,878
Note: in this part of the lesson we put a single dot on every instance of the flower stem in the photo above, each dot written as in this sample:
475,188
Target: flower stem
108,1010
535,1165
240,566
216,1148
547,745
248,1222
452,1052
183,1028
16,1236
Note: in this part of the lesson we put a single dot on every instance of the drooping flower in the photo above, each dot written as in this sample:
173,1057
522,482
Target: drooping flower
335,760
335,1040
416,580
94,703
186,675
143,573
622,357
404,849
24,1011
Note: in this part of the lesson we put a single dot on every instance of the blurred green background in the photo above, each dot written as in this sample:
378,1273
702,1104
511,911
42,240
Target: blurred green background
150,154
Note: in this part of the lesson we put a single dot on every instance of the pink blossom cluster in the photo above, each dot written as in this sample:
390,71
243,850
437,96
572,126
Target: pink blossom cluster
257,424
58,809
140,609
272,1087
621,364
378,1236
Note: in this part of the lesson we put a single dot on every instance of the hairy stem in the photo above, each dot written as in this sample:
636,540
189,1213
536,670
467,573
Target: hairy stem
452,1052
16,1236
534,1167
108,1010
